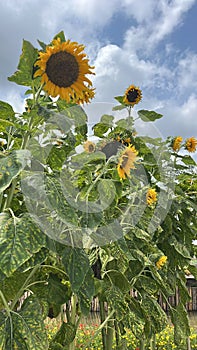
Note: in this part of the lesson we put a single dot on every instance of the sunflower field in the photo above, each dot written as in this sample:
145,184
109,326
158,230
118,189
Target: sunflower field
108,213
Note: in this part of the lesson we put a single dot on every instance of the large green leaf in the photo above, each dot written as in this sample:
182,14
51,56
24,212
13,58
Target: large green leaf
149,116
107,192
64,336
80,274
11,166
10,286
20,238
24,74
181,323
6,111
118,280
24,330
4,124
76,265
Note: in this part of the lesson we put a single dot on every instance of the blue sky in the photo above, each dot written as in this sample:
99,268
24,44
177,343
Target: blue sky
149,43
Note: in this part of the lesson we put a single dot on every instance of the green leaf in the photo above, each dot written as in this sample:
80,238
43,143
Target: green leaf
25,329
107,192
100,129
4,124
20,238
75,113
120,99
180,248
107,119
6,111
61,36
76,265
80,274
118,280
181,323
24,74
58,293
149,116
65,335
11,166
118,108
10,286
188,160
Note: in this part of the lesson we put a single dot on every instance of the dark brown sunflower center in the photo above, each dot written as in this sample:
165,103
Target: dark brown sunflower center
125,160
62,69
132,95
91,148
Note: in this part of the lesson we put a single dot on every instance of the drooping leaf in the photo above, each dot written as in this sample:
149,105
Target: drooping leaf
11,166
20,238
118,279
107,192
149,116
65,335
80,274
24,329
181,323
10,286
76,265
24,74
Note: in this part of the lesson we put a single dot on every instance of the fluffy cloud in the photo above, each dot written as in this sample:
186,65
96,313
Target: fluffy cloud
168,79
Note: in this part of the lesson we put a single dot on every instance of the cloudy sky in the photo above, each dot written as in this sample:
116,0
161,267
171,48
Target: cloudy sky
149,43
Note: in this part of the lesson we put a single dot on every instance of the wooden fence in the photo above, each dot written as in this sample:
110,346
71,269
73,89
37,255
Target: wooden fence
173,300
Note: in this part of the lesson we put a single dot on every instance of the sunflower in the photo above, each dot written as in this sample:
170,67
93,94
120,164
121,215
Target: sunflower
161,261
151,196
89,146
126,161
177,143
63,68
191,144
132,96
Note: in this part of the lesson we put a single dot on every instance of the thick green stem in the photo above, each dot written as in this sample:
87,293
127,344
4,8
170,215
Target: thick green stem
102,316
73,315
188,344
5,303
109,334
117,332
142,343
153,342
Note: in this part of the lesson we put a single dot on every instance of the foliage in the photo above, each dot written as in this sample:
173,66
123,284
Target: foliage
72,229
86,339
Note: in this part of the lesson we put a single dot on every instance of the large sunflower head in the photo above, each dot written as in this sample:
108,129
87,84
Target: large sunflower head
63,68
191,144
132,95
176,145
126,161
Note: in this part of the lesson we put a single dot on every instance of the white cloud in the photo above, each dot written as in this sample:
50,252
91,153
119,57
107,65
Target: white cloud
162,18
136,60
